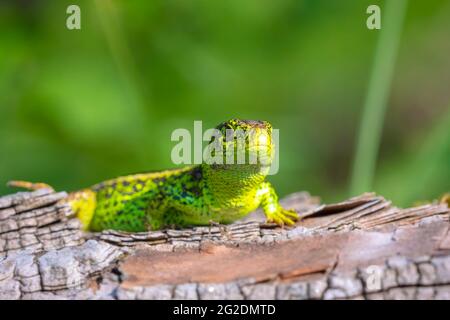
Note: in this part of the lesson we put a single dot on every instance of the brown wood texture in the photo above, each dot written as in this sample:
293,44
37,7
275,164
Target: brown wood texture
361,248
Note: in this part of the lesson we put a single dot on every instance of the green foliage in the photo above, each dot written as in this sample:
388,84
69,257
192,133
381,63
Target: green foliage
371,125
81,106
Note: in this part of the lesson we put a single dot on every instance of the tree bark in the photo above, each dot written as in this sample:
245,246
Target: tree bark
362,248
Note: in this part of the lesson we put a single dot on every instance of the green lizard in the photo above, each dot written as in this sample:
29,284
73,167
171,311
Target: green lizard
193,195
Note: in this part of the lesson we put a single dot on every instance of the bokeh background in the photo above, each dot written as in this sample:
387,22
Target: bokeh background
78,107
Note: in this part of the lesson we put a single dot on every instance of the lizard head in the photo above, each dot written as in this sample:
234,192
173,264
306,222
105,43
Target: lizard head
243,143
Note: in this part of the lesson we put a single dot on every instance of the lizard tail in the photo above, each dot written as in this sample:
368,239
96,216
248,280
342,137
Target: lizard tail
28,185
82,202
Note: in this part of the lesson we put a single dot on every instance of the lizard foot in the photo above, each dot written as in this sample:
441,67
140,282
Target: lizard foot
283,216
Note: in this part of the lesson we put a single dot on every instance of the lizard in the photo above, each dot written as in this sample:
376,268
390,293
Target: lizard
193,195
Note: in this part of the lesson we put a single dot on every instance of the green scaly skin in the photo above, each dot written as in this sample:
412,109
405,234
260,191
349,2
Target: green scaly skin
194,195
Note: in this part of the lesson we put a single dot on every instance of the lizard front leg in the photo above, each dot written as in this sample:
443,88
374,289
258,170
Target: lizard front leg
273,210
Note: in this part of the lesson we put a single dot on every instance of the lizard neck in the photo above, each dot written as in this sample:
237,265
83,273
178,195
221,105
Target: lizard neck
233,181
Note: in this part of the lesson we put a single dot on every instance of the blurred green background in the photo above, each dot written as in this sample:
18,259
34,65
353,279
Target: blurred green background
81,106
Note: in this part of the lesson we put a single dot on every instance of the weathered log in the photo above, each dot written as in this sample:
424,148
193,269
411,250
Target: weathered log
362,248
35,221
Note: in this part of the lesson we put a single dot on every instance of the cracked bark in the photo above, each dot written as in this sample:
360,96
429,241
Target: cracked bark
362,248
